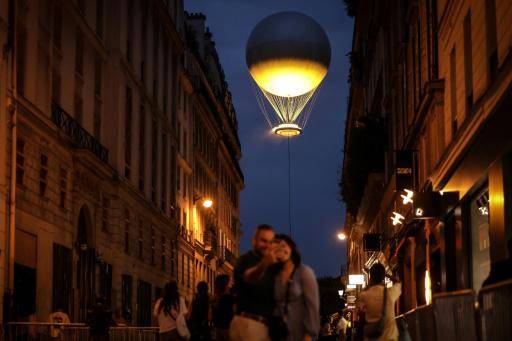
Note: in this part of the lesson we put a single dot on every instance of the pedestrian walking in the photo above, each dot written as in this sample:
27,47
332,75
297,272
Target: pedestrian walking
99,320
296,293
199,321
254,289
378,305
222,307
168,311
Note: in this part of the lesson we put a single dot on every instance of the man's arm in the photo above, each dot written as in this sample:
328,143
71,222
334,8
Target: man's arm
254,274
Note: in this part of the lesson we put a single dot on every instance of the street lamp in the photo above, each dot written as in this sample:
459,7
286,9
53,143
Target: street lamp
342,236
206,202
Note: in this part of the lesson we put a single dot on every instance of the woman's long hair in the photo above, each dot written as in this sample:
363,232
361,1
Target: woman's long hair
295,256
170,299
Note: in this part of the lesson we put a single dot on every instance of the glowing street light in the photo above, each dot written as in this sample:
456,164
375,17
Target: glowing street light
207,203
342,236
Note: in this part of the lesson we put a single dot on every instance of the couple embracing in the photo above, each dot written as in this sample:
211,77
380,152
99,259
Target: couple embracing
276,295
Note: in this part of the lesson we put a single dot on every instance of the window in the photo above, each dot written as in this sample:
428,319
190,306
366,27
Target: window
126,297
163,245
126,230
129,30
468,63
173,253
183,268
178,179
142,147
166,75
78,103
21,56
164,173
188,272
82,6
20,161
141,240
63,187
57,26
154,160
97,119
153,242
143,29
104,213
480,243
156,71
56,82
43,174
99,18
453,91
79,52
492,38
98,75
128,134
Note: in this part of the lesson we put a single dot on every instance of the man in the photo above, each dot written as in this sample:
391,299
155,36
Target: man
254,288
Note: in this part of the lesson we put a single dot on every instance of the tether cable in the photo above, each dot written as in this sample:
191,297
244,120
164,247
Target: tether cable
289,188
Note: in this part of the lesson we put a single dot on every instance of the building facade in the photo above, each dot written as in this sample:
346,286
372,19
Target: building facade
104,164
427,155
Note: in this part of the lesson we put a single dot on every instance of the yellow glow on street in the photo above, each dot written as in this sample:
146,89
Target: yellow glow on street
288,77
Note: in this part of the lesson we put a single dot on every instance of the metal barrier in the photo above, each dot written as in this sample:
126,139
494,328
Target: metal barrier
133,334
35,331
451,316
454,315
496,311
41,331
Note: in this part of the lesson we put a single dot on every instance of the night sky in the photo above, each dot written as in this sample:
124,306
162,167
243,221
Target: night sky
317,213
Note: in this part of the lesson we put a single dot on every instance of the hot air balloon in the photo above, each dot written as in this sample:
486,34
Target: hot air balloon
288,55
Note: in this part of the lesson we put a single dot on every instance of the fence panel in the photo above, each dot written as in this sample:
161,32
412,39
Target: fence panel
496,311
455,316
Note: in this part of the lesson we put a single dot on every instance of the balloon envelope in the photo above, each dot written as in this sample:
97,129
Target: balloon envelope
288,54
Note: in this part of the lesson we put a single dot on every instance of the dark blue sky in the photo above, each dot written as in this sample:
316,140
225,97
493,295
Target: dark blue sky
317,213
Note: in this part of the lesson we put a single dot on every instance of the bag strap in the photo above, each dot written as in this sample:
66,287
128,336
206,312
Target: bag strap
384,302
287,295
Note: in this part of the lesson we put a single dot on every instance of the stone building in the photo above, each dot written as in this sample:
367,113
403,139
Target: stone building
104,160
429,110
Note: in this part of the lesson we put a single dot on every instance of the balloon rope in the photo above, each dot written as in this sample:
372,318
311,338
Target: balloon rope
289,189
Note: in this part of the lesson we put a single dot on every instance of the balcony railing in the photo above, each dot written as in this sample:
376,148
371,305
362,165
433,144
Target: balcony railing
73,331
80,137
185,234
229,257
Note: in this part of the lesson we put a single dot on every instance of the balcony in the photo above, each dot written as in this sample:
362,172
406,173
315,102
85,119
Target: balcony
211,247
229,257
80,137
184,234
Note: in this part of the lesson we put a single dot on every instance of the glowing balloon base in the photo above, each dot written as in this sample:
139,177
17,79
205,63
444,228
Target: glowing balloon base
287,130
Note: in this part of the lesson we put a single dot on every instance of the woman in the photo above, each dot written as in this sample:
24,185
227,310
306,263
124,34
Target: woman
167,310
371,301
199,321
222,307
296,292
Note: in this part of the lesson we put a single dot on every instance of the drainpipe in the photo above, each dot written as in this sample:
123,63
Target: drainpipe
12,106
